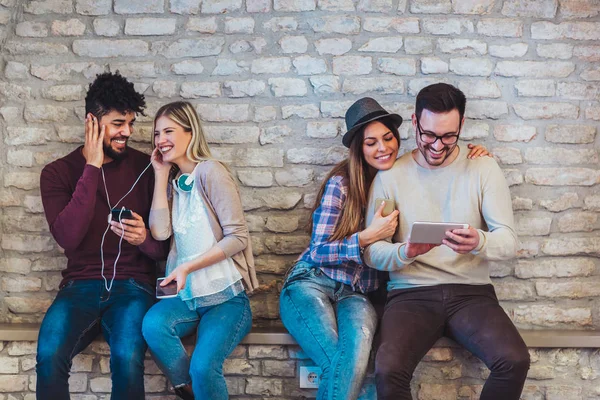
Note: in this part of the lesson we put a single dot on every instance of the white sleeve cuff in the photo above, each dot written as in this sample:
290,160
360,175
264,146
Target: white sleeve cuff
481,245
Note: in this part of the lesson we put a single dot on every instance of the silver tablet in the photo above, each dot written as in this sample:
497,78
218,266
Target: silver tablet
432,232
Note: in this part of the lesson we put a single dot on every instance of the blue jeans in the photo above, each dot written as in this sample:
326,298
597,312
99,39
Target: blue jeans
219,329
81,310
334,326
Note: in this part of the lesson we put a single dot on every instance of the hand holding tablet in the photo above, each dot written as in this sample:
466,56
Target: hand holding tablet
461,238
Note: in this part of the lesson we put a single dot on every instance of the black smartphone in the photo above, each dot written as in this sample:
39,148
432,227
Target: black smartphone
121,213
166,292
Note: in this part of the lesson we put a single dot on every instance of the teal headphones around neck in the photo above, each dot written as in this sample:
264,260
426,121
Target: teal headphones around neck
185,182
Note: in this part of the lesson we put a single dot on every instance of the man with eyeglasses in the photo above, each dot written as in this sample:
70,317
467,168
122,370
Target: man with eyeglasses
445,290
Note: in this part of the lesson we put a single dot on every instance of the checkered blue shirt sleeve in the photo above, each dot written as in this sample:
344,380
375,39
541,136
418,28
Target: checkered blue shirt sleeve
323,251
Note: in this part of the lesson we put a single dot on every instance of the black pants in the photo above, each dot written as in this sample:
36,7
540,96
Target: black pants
414,319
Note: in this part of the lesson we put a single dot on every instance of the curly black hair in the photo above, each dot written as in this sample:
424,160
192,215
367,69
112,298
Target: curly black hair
113,92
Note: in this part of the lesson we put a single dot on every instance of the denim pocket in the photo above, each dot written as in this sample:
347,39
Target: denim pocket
142,286
301,271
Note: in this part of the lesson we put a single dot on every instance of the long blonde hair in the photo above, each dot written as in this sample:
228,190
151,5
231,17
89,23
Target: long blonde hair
355,171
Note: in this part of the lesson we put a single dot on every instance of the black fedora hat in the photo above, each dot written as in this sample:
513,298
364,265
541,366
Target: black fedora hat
362,112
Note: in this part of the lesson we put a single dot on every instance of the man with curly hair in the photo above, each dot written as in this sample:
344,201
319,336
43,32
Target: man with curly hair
108,284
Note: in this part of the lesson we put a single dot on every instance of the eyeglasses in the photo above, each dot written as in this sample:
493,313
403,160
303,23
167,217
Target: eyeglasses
431,138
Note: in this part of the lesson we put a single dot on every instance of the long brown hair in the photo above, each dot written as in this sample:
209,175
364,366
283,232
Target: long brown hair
355,171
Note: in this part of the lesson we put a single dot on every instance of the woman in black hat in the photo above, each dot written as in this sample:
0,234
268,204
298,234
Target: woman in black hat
323,302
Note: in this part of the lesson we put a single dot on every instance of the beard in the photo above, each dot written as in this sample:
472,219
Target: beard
448,150
112,153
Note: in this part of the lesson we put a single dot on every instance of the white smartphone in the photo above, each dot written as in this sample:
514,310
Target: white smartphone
432,232
166,292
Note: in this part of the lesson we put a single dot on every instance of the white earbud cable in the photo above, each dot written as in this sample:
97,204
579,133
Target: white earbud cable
106,285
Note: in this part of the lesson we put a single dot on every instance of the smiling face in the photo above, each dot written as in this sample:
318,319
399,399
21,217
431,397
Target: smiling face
119,127
379,146
437,154
172,140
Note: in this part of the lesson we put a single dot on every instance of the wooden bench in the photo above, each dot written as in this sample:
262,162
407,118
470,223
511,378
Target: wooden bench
279,336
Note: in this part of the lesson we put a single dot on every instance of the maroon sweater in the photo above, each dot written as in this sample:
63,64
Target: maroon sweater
76,209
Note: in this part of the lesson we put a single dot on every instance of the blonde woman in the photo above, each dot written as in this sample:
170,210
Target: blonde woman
210,257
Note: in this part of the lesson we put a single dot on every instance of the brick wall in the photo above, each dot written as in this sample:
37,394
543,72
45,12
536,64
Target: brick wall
272,80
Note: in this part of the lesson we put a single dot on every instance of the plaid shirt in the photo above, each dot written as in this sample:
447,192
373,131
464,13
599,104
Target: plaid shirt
338,259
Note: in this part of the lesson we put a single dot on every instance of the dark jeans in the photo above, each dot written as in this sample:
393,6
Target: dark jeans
81,310
414,319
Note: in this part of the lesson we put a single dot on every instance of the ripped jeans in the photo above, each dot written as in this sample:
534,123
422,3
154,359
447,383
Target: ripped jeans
334,326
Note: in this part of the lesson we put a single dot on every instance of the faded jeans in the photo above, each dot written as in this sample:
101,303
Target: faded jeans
220,328
334,326
81,310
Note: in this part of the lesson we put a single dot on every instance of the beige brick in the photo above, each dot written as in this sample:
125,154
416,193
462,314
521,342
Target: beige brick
486,109
578,90
550,316
513,176
31,29
271,65
562,51
15,92
255,178
279,368
336,5
514,50
254,6
342,24
13,383
154,383
241,367
561,156
433,65
467,47
536,87
287,87
100,385
294,5
563,176
199,47
475,130
507,155
281,224
383,85
286,244
397,66
433,391
281,24
224,112
382,45
563,392
21,284
530,8
520,203
293,177
587,53
479,88
500,27
71,27
573,290
231,134
293,44
563,267
535,69
578,222
430,7
27,305
591,75
564,202
418,45
565,30
300,111
9,365
110,48
515,290
150,26
306,65
265,351
220,6
533,226
274,134
476,7
578,8
335,46
194,90
264,386
388,24
14,265
530,111
592,203
571,246
471,66
352,65
574,134
445,26
202,25
318,156
38,49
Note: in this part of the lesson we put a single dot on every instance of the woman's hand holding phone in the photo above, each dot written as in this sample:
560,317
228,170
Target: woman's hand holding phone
380,227
179,274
